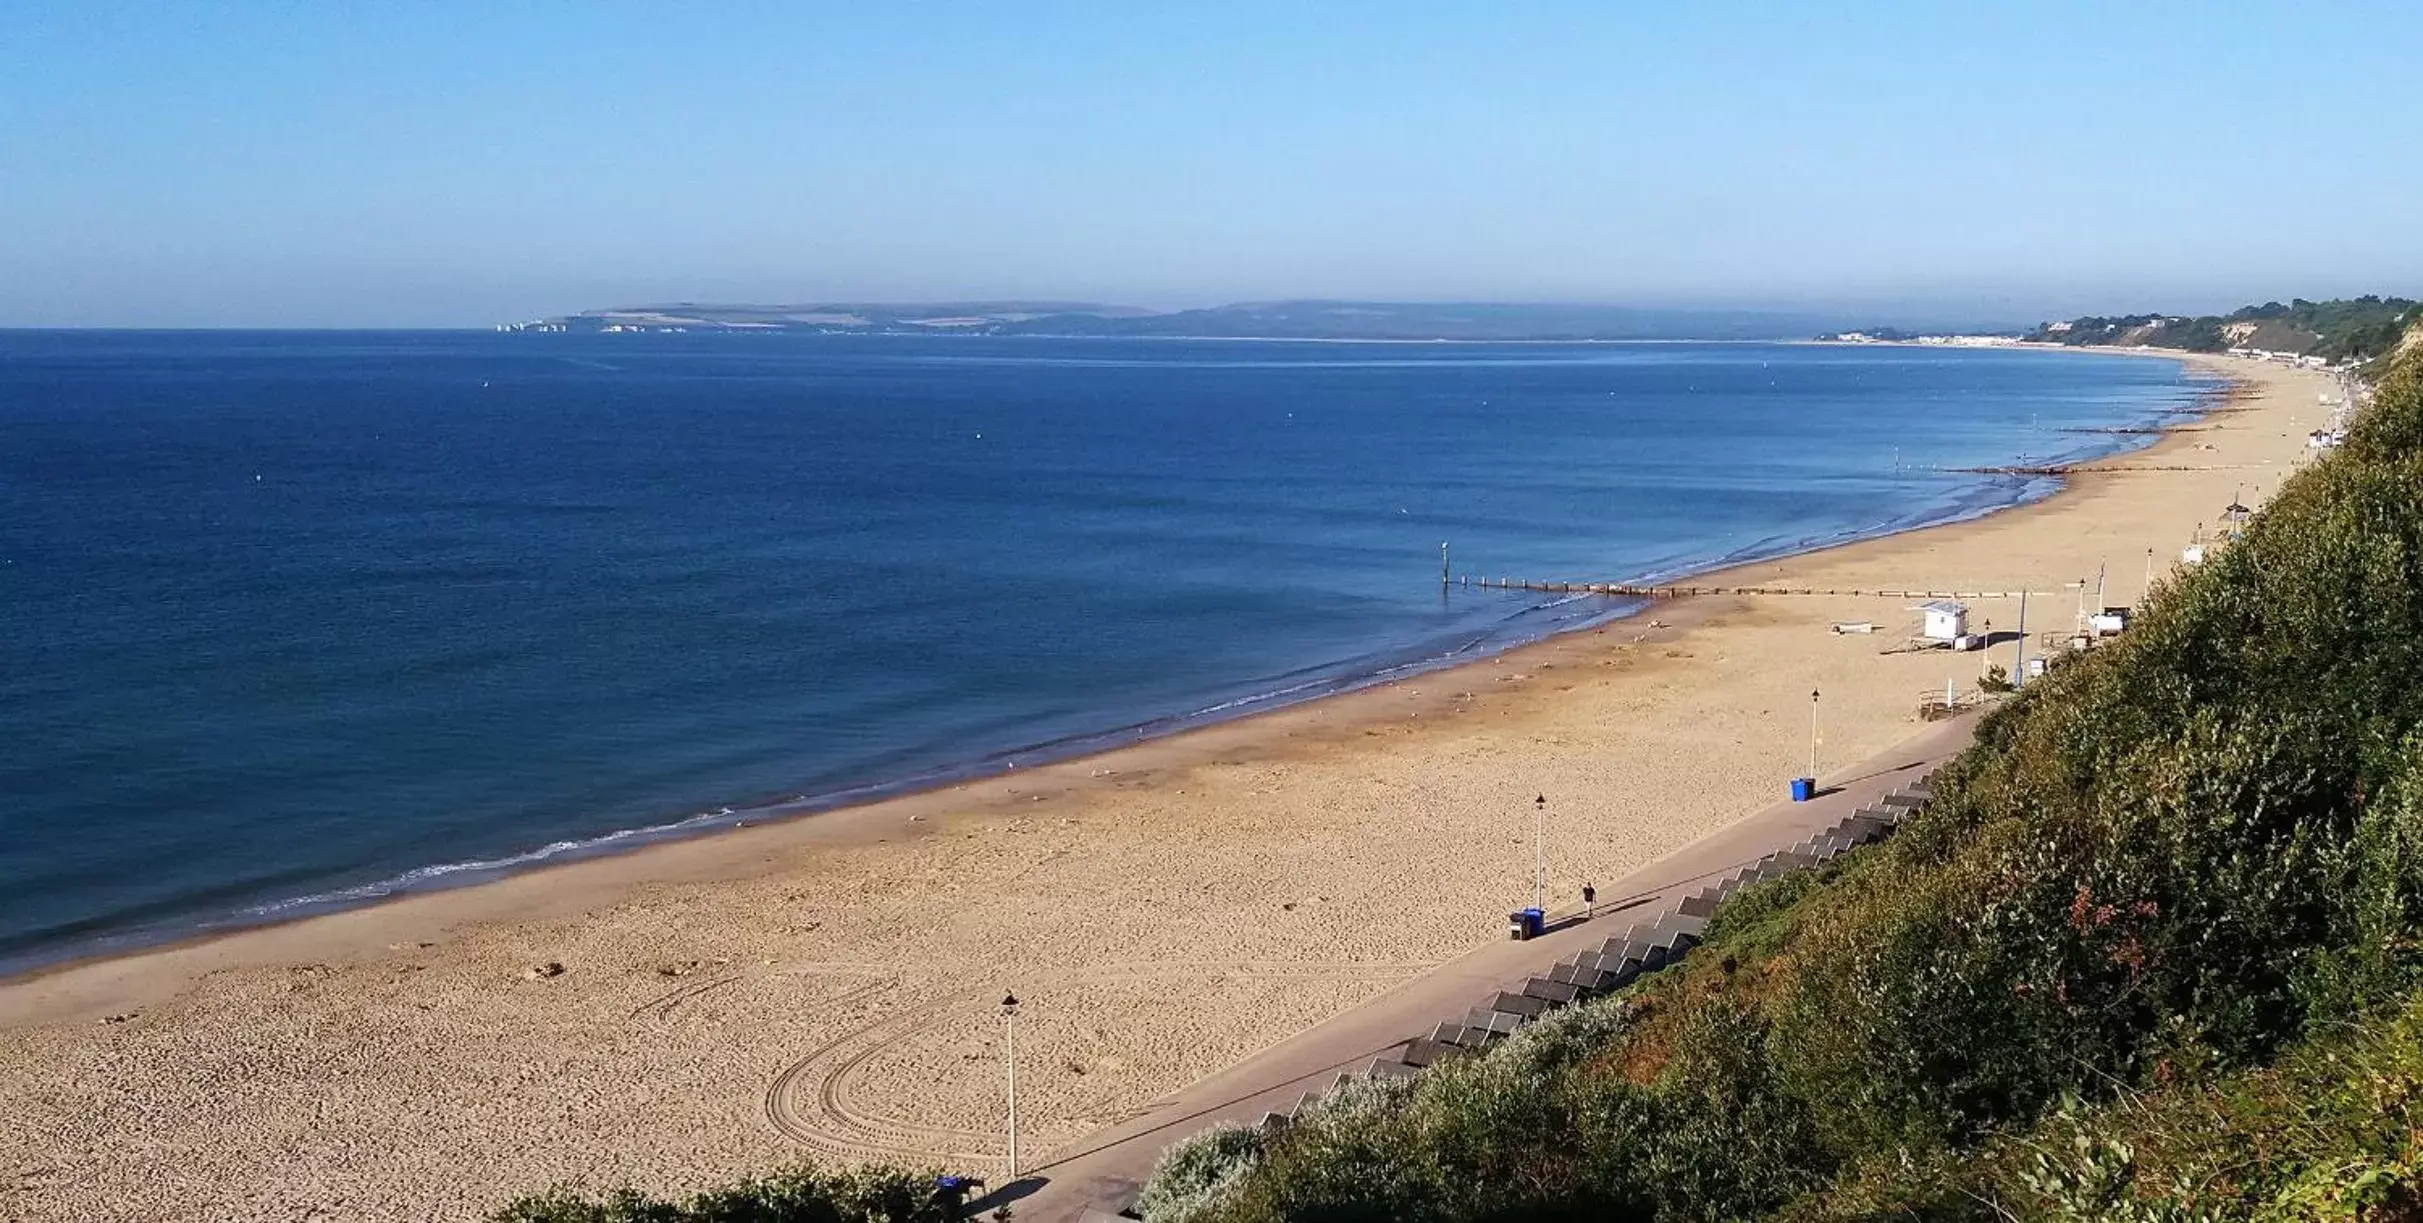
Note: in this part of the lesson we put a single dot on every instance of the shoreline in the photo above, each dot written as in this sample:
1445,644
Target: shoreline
824,987
645,839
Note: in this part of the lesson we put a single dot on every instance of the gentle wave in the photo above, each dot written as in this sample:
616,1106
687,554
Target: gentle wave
424,878
1324,684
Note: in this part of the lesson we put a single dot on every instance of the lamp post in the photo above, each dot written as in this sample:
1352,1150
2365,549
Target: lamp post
2019,653
1539,854
1812,737
1009,1030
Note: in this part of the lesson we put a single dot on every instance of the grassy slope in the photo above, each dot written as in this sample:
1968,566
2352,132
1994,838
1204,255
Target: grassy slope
2175,863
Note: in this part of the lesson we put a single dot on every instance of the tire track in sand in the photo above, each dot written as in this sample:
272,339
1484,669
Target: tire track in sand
816,1101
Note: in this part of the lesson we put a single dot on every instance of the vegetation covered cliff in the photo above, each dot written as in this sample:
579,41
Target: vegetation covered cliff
2346,329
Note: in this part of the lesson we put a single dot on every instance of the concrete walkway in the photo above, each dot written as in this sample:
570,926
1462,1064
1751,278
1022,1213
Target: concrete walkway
1100,1175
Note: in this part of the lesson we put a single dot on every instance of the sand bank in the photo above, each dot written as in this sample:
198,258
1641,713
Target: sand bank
825,987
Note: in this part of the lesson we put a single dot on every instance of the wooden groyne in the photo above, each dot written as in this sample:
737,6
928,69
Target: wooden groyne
2072,469
1621,590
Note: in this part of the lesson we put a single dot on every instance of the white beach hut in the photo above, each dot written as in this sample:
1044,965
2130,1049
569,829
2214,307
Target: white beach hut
1945,620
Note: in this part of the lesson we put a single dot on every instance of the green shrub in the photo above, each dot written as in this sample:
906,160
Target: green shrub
874,1194
1197,1172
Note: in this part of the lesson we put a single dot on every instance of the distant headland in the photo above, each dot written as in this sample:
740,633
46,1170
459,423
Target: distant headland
1289,320
2344,332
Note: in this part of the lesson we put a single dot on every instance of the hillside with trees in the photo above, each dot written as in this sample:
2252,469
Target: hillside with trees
2346,329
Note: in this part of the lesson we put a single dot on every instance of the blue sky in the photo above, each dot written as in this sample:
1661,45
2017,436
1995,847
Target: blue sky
437,164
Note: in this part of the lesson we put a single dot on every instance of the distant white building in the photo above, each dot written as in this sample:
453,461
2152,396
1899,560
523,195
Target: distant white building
1969,341
1944,620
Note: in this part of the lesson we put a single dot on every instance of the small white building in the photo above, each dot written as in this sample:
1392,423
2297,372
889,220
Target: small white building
2109,622
1945,620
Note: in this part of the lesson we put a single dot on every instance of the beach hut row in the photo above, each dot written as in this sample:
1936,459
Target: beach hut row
1617,962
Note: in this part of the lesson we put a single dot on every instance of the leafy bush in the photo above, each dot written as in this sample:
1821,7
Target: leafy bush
1196,1172
875,1194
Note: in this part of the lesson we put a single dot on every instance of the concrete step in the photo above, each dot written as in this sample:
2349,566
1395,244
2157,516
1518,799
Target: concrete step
1777,864
1520,1004
1452,1033
1616,951
1864,829
1492,1024
1552,991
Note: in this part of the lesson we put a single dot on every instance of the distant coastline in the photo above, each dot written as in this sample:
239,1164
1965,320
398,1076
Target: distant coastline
2339,334
1284,320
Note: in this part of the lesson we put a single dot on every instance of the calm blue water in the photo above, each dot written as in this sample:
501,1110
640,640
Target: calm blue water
294,620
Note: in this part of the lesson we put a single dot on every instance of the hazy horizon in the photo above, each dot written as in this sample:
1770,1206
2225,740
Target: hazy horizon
452,165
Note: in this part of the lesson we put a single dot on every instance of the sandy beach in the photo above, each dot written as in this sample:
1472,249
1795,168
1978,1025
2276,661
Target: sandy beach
826,988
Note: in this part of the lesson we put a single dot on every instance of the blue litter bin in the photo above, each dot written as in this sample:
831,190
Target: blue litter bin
1803,789
952,1192
1524,924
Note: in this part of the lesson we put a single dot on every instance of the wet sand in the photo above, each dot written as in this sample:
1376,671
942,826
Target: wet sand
826,987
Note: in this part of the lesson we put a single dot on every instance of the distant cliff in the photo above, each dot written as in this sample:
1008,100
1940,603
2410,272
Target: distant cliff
2347,329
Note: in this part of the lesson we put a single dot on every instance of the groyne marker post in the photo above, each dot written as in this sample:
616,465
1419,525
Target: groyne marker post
1813,736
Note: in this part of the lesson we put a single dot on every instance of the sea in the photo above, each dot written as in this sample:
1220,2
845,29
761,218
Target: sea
291,622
